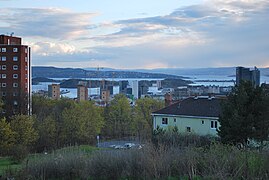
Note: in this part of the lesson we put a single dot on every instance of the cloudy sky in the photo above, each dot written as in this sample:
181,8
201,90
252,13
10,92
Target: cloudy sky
142,33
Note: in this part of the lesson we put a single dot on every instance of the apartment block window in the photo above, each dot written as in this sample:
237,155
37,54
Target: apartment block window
15,67
4,93
4,76
164,120
15,76
15,103
4,67
15,94
4,50
26,59
203,122
15,84
214,124
26,50
15,49
26,68
4,58
175,119
15,58
4,84
26,76
188,129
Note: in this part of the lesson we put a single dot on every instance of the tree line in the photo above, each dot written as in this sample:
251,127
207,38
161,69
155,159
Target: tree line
59,123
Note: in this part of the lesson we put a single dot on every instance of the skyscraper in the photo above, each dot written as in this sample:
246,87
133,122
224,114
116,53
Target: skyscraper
15,76
245,74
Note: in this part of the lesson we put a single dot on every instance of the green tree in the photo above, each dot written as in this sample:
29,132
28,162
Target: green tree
142,116
243,115
118,117
47,133
23,127
81,123
7,137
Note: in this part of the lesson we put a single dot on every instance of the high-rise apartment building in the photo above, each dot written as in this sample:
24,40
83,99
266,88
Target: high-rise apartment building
82,91
54,91
245,74
15,76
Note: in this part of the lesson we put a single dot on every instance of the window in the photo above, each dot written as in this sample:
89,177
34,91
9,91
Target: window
4,76
165,121
25,50
15,94
4,67
26,76
15,76
15,103
4,93
26,68
203,122
15,67
188,129
4,84
214,124
26,59
15,49
4,58
175,119
15,58
4,50
15,84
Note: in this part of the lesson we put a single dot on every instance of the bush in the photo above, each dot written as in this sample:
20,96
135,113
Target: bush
19,153
216,161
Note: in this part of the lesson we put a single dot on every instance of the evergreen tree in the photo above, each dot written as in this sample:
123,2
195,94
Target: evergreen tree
244,114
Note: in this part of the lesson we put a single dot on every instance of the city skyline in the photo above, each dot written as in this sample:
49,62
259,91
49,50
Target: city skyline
138,34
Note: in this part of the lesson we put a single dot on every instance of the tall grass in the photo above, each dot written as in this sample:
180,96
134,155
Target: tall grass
216,161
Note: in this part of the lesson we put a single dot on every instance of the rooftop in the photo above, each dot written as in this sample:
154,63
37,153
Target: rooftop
194,106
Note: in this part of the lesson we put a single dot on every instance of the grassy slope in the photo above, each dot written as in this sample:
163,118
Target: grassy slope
7,163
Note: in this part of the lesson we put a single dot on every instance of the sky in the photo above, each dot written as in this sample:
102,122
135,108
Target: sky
141,34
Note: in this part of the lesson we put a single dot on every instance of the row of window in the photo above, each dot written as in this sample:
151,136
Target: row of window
4,67
5,84
15,58
14,85
214,124
15,76
15,67
14,50
15,94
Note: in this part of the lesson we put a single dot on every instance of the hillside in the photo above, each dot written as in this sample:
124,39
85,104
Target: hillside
53,72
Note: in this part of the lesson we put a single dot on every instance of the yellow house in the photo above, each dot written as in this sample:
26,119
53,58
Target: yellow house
197,115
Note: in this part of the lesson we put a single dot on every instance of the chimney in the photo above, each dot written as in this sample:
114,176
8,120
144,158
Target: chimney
168,99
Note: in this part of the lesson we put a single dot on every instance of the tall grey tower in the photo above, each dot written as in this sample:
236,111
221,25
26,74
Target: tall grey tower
245,74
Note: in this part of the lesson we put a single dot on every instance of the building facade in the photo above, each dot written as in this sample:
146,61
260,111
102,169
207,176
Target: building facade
245,74
54,91
82,92
197,115
15,76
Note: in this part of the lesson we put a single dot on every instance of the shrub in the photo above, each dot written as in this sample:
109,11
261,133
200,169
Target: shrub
19,153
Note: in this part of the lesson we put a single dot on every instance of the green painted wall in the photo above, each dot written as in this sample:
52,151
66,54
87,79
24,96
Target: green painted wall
200,126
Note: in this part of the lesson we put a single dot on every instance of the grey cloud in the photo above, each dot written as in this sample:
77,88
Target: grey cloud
51,23
235,33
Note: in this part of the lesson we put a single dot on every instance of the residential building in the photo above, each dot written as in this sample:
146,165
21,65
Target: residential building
15,76
82,92
198,115
245,74
134,86
105,95
54,91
